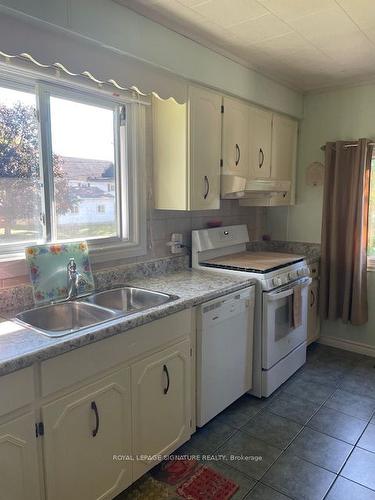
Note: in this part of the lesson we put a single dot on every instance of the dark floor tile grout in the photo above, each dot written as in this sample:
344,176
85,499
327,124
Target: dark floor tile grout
346,461
295,437
270,487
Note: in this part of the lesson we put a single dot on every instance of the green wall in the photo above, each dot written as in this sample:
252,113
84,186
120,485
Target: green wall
126,32
347,113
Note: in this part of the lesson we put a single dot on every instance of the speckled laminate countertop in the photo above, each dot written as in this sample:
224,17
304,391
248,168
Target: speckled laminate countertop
21,347
311,251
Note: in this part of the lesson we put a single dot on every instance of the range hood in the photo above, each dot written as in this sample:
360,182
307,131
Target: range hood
235,187
266,187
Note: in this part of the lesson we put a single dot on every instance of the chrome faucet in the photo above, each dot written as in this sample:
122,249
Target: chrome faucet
74,279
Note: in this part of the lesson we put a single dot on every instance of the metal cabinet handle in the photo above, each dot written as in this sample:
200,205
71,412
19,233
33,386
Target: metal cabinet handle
95,409
165,370
207,182
261,157
312,298
238,155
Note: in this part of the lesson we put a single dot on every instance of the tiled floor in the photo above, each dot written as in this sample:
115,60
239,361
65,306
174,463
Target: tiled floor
315,436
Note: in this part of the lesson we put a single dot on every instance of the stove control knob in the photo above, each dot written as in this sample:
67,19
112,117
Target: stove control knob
292,275
276,282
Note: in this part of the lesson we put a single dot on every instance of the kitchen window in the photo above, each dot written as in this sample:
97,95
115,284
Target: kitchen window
60,149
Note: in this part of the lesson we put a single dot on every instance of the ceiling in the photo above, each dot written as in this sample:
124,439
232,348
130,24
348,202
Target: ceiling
306,44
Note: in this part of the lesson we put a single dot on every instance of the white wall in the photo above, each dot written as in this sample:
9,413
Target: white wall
118,28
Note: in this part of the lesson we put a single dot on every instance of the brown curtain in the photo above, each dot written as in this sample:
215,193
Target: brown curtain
343,286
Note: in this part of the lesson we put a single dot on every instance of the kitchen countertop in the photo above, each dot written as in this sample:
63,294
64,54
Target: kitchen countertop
21,347
311,251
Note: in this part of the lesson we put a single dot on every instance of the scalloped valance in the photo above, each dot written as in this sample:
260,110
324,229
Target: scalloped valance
57,70
32,48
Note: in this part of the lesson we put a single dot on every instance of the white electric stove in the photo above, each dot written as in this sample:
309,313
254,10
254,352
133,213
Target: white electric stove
279,346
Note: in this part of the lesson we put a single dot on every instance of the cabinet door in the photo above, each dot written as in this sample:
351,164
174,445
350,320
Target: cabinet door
260,129
284,147
235,138
161,401
312,312
83,432
19,475
170,154
205,149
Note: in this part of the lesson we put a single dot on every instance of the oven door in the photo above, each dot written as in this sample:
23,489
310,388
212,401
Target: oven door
279,338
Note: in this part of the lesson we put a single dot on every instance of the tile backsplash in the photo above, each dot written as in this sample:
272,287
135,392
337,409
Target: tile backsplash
160,225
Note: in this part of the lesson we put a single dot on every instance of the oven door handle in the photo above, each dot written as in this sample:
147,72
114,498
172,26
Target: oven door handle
289,291
280,295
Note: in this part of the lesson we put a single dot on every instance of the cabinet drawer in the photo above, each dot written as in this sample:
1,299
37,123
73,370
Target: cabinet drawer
17,390
88,361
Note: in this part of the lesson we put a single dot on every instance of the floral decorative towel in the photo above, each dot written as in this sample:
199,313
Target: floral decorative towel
48,269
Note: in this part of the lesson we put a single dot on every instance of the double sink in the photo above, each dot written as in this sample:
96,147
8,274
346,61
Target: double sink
59,319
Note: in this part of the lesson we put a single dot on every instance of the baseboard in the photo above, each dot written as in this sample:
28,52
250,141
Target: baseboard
348,345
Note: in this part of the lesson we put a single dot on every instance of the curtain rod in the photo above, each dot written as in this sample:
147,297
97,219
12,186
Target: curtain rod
323,148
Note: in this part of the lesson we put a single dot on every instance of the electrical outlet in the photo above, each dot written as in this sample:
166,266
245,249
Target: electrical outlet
176,243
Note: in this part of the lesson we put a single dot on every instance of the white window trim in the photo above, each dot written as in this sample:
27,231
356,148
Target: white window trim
136,181
132,168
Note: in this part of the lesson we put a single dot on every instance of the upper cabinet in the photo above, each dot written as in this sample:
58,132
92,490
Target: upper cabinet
205,149
260,133
273,148
284,147
255,148
235,153
186,156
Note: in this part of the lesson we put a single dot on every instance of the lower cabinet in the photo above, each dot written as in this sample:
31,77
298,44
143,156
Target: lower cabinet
90,440
83,431
161,403
313,312
19,472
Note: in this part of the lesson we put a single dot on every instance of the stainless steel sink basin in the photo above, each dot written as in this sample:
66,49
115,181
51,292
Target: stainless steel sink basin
128,299
56,320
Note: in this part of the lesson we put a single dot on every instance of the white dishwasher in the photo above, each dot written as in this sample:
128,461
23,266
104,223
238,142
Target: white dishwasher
224,352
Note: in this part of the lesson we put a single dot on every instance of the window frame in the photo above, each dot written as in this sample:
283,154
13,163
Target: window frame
129,163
